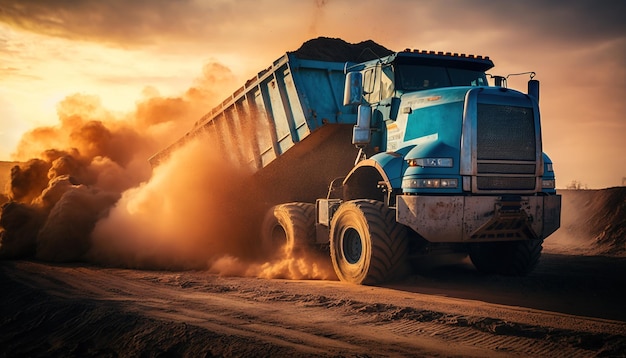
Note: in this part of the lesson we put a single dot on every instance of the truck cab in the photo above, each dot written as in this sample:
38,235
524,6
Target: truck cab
458,161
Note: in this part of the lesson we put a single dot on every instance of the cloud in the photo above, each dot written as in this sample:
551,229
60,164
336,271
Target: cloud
218,23
115,21
571,22
144,23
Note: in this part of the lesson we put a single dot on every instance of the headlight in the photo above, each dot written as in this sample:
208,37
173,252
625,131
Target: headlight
548,184
549,167
429,183
431,162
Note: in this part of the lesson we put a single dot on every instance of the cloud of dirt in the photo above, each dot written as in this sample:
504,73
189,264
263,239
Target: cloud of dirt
84,191
318,14
65,233
195,208
310,265
71,173
200,210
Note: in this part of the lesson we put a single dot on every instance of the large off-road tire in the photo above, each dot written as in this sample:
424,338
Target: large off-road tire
288,229
511,258
367,245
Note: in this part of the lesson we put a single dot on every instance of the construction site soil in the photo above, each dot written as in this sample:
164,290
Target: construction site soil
571,305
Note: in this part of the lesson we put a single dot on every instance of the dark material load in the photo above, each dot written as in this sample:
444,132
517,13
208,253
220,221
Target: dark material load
338,50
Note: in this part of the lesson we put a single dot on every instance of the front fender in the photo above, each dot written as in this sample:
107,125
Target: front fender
376,177
390,166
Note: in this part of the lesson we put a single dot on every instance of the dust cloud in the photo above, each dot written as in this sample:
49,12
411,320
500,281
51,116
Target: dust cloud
83,191
195,209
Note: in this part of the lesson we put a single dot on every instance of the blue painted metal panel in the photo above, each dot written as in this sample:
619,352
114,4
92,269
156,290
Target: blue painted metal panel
275,110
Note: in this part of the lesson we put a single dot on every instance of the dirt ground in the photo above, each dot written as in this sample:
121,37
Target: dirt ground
566,308
570,306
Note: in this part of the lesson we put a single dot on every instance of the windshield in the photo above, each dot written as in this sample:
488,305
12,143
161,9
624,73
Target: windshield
417,78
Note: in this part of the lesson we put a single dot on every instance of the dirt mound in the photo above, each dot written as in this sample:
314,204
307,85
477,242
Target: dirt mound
338,50
593,222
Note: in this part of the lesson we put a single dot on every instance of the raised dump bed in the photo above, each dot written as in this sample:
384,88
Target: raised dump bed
291,110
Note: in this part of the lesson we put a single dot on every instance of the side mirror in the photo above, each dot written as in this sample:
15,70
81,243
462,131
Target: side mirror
353,91
361,134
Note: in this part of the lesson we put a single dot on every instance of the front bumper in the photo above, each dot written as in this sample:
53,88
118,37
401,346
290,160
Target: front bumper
480,218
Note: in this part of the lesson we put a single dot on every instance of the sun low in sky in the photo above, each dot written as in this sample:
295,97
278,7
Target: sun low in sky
122,54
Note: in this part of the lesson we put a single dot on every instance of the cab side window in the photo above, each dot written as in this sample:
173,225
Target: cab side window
371,84
386,82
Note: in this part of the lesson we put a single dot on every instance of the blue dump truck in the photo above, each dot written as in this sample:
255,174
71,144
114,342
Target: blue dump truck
381,162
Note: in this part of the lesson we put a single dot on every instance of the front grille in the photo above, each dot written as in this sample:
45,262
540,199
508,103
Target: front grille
505,183
505,147
506,168
505,133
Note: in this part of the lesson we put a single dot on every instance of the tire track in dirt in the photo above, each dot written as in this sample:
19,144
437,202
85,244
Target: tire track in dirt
498,343
485,332
492,333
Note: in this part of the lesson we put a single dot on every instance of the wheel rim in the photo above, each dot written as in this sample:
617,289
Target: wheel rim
352,246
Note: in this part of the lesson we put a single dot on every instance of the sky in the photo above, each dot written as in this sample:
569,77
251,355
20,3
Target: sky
122,52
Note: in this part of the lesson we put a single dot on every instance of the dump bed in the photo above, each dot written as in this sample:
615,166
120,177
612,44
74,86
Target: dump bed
291,111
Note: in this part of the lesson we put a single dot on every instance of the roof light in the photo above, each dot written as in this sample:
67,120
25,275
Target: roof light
450,54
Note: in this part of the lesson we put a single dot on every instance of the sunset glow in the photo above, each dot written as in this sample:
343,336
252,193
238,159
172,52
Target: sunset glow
125,53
